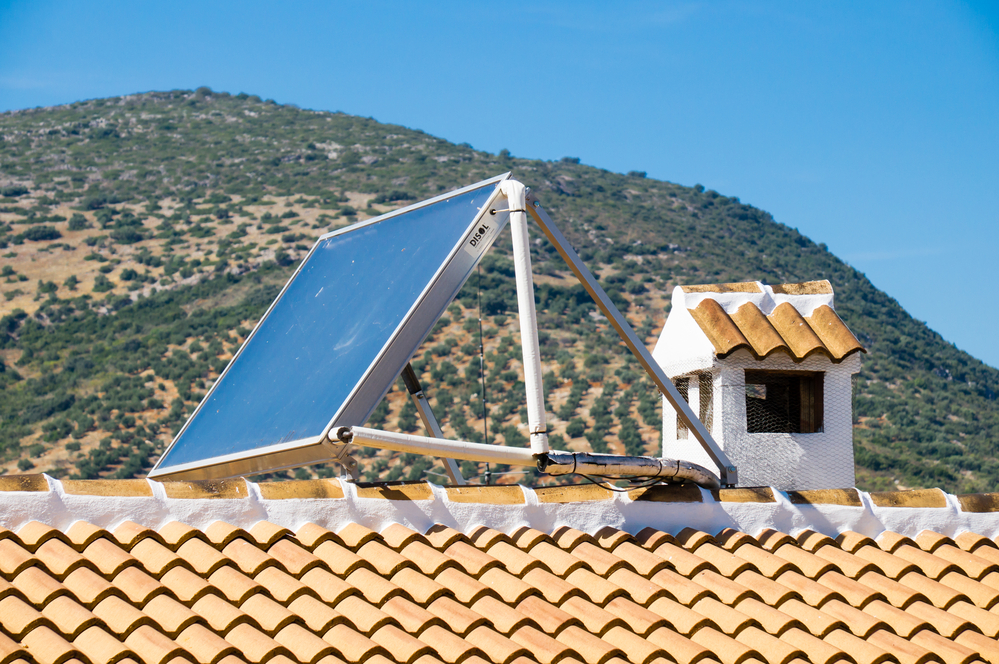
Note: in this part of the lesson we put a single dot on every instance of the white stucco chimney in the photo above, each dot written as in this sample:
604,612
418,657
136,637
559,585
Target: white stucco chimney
768,369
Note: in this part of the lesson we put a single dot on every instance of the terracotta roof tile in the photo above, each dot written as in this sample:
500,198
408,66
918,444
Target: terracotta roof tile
60,558
35,533
269,615
398,536
903,623
505,618
129,533
458,617
774,621
411,617
548,650
120,617
497,647
594,650
138,586
14,558
860,650
638,587
248,557
100,646
186,586
725,648
155,558
907,652
38,587
783,330
206,646
152,646
69,617
591,616
376,589
254,645
985,621
220,614
362,615
266,534
329,587
303,644
282,586
166,613
316,615
267,594
401,646
680,648
47,647
558,562
89,587
296,559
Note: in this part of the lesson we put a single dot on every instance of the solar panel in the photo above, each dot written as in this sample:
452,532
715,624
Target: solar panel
336,337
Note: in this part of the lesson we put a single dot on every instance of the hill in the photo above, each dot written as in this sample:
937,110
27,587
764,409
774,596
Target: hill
141,237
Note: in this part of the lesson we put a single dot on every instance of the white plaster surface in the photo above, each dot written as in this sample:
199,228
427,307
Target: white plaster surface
60,510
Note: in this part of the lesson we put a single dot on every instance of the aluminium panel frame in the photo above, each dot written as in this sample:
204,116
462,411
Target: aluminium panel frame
376,379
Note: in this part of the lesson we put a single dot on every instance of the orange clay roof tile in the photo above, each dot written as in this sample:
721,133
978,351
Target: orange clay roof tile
265,533
265,594
100,646
155,558
457,617
449,647
248,558
376,589
89,588
121,618
315,614
254,645
410,617
166,613
783,330
205,645
296,559
419,587
329,587
38,587
639,588
282,586
268,614
363,616
69,618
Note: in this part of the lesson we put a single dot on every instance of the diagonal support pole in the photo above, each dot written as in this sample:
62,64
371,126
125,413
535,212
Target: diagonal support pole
727,471
429,420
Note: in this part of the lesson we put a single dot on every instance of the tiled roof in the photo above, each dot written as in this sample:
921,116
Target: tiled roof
731,318
270,593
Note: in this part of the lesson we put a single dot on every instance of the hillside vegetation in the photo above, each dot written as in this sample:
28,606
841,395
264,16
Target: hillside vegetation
141,238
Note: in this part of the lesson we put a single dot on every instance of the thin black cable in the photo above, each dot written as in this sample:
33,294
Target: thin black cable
482,363
604,481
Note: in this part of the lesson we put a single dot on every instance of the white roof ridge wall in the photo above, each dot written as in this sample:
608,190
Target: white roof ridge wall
865,513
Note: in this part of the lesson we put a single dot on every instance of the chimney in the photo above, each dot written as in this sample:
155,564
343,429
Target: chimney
769,371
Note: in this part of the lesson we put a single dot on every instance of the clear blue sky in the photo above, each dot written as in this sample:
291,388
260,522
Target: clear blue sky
870,126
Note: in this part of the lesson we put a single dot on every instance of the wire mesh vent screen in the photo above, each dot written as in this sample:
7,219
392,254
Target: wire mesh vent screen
707,410
683,387
783,401
703,403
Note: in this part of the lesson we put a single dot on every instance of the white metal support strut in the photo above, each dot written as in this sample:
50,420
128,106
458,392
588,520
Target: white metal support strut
516,196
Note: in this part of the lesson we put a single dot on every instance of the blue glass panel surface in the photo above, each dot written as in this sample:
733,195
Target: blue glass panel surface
325,331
